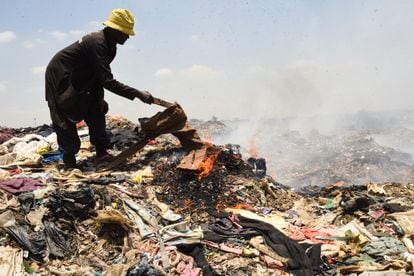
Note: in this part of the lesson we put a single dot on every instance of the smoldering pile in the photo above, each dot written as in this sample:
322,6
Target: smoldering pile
154,216
360,148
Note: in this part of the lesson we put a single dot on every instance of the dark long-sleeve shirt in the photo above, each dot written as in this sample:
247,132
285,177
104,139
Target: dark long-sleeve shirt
77,75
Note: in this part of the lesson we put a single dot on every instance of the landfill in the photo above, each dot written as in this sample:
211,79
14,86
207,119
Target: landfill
216,210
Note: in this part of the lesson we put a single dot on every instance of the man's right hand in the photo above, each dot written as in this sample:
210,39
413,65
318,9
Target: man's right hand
145,96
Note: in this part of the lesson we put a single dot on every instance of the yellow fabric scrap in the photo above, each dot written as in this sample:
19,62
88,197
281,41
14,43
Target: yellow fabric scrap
43,149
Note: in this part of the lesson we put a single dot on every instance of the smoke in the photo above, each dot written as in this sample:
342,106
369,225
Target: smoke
321,150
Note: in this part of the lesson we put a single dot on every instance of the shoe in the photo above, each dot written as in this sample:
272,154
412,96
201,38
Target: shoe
103,158
101,152
69,161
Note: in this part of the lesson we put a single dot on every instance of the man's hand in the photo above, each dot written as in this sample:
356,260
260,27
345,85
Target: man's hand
145,96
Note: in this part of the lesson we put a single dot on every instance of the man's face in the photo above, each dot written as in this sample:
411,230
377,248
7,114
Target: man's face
121,38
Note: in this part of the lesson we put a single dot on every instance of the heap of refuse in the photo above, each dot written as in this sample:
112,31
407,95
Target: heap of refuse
171,211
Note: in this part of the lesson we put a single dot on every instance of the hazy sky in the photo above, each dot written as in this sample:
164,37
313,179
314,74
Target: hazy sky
246,59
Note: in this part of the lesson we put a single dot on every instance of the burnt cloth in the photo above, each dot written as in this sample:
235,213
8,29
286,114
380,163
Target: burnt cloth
172,120
304,259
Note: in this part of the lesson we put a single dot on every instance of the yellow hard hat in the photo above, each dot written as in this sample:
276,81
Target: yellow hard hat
121,20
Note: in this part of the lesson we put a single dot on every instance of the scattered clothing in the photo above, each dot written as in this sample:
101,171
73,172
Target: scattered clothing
21,185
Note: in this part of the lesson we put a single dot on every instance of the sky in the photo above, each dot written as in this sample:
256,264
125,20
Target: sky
227,59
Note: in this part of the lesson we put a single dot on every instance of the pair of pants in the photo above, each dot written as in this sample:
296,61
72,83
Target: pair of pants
68,139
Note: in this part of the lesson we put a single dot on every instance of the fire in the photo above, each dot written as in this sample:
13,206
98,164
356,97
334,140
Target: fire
244,206
252,148
220,206
206,166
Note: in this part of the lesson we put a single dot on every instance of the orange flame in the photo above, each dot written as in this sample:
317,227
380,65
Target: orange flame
207,164
252,148
220,206
244,206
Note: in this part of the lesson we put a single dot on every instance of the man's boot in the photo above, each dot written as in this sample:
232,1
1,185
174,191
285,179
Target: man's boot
69,161
102,157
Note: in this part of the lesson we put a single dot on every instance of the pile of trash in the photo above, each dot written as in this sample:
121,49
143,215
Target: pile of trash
157,215
354,157
355,153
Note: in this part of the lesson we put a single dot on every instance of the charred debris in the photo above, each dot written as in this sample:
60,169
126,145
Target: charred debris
222,211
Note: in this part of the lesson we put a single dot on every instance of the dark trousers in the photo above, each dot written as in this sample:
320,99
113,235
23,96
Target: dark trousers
68,139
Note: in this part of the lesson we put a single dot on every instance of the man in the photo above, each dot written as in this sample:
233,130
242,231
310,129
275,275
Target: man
75,81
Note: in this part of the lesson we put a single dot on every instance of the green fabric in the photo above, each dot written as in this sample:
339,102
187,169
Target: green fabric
384,246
